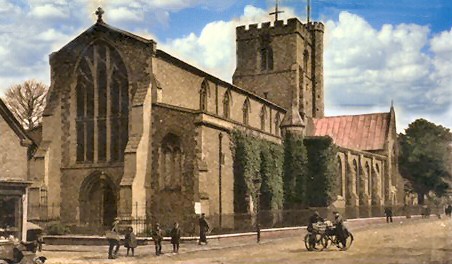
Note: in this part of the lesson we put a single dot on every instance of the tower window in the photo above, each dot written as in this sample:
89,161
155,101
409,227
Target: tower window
266,59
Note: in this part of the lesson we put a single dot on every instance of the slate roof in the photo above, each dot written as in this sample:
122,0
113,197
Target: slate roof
361,132
14,124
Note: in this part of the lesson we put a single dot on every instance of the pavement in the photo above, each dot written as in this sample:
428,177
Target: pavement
217,247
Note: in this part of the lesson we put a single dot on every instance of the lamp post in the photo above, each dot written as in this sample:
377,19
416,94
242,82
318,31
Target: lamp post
257,186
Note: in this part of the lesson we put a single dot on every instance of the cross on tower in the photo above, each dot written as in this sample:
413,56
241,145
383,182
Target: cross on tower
99,13
277,11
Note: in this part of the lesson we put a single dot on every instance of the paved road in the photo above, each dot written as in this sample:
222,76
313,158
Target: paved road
417,242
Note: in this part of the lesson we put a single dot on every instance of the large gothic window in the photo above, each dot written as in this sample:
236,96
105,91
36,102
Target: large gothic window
170,162
246,111
267,59
227,104
102,105
203,94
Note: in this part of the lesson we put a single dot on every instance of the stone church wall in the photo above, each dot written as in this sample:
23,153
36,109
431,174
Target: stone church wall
173,199
13,156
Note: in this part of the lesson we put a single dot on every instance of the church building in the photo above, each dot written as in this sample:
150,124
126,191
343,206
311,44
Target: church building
132,131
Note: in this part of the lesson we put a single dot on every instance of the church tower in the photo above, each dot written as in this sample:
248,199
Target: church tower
283,61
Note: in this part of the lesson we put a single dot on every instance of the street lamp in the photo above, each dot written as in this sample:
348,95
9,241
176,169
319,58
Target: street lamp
257,186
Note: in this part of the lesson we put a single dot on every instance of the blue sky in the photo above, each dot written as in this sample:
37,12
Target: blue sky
375,51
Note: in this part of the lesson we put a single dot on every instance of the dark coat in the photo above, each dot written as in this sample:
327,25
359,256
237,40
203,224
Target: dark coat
203,225
130,240
175,235
157,235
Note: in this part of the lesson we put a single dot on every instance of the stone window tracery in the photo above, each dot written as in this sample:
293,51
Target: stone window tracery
102,98
171,162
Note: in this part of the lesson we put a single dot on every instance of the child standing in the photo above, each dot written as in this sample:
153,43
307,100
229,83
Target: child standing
175,237
130,241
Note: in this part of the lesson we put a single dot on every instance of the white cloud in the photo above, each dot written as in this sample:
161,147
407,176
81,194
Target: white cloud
214,49
48,11
366,68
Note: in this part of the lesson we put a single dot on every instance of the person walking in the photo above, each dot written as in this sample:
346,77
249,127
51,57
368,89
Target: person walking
203,229
113,240
388,214
157,236
130,241
175,237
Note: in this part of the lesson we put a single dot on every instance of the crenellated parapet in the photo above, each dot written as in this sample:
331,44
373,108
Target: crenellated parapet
280,27
316,26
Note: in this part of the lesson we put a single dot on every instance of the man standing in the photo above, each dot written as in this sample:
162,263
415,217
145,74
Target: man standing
388,213
113,240
203,229
157,236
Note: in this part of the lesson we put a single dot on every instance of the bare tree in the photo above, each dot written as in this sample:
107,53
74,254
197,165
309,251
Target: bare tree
27,102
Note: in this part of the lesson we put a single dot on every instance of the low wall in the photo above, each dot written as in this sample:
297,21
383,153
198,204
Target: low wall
271,233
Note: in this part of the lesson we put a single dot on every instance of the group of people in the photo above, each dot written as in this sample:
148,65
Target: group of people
339,230
130,241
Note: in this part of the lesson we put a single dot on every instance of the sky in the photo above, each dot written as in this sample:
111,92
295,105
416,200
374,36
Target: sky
375,51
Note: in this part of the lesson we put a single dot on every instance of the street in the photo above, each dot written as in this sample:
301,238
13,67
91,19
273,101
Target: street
421,241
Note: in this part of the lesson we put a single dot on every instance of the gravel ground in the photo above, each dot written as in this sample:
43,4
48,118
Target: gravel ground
404,242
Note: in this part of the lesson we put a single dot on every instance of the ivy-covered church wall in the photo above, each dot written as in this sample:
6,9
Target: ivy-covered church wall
301,172
295,171
323,183
256,159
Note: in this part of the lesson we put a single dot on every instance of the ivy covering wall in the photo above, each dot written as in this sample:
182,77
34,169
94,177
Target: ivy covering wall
301,172
323,178
255,158
295,170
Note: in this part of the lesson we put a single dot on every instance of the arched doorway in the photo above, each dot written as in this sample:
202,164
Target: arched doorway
98,200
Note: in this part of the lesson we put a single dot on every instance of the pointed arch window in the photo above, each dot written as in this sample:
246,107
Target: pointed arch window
266,58
170,162
339,170
277,124
203,94
246,111
263,116
102,97
357,176
227,104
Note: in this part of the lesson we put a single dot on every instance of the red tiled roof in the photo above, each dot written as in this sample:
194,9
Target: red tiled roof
361,132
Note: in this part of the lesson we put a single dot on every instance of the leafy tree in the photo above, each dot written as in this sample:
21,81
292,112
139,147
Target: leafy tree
27,102
424,155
